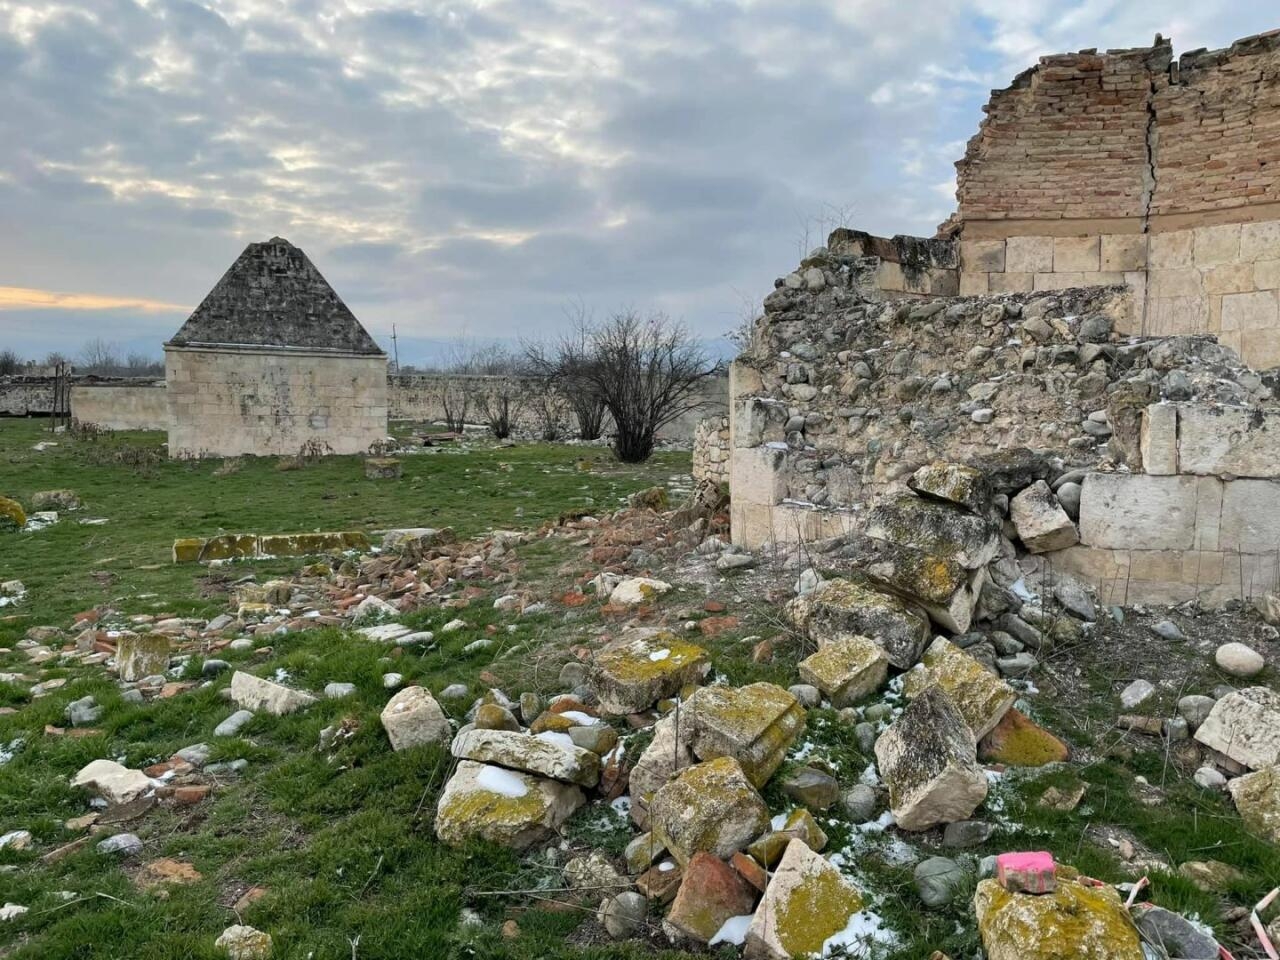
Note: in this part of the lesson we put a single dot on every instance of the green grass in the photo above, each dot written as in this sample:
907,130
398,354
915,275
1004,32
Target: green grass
342,838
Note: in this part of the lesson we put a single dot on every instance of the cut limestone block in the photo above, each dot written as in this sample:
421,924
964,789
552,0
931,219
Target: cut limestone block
953,483
662,759
711,806
382,468
112,781
755,725
1245,725
928,760
936,528
1074,922
228,546
305,544
1257,797
548,754
413,718
844,608
711,893
806,903
506,807
846,670
141,656
633,673
980,695
942,586
267,696
637,590
1041,522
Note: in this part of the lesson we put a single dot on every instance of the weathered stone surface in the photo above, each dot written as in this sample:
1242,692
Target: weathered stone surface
633,673
662,759
941,585
806,903
1119,511
928,760
953,483
1227,441
548,754
1239,660
710,807
936,528
846,669
812,788
844,608
755,725
637,590
112,781
981,697
244,943
1020,742
1245,725
1041,522
711,893
139,656
413,718
267,696
1174,933
506,807
1257,797
1074,922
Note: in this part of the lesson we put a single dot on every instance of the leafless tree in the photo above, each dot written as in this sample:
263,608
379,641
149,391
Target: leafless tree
498,388
559,365
141,365
100,357
456,387
10,362
647,371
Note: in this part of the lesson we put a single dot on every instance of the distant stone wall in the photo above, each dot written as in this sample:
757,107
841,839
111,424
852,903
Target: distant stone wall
26,396
229,401
123,406
711,450
1129,167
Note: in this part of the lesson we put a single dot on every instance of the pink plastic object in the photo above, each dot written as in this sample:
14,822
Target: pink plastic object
1259,929
1027,872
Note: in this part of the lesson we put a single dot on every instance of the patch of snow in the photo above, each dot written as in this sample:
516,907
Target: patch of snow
554,736
1022,592
864,932
666,866
733,930
870,776
10,750
502,782
658,655
282,675
621,806
580,718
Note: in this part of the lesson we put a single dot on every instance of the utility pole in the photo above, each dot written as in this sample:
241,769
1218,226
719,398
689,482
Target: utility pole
395,347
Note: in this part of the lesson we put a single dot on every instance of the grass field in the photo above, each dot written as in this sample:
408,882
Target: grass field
342,839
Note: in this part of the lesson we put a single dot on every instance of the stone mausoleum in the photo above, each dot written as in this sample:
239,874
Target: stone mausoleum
273,361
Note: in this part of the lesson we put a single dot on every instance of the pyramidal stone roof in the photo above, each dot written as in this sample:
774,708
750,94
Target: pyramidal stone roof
273,296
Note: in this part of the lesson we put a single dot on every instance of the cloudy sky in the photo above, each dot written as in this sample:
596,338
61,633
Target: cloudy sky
466,169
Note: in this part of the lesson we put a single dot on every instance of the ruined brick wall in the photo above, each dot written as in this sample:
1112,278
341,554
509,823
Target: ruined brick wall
121,406
1130,167
271,402
711,450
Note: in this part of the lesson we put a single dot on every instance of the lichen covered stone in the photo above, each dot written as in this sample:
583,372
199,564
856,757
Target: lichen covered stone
981,696
666,755
633,673
806,903
1245,725
550,755
846,670
937,528
1257,797
228,546
843,608
1074,922
1018,741
927,758
141,656
755,725
710,807
954,483
12,516
505,807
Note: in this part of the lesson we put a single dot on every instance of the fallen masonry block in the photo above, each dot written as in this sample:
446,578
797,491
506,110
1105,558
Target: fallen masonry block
941,585
139,656
953,483
936,528
842,608
413,718
709,807
416,541
1245,726
249,546
505,807
666,755
981,697
755,725
1018,741
807,902
711,893
634,591
635,672
1041,522
1073,922
112,781
846,669
551,755
1257,797
254,693
928,760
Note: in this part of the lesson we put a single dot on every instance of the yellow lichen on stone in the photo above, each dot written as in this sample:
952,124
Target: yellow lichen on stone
229,546
187,550
12,516
819,907
1074,922
755,725
981,697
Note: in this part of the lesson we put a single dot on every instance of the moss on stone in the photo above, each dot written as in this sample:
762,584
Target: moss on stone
187,550
12,516
819,906
1074,922
229,546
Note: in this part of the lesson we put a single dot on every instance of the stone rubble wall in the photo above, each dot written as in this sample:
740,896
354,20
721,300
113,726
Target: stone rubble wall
1128,167
26,396
711,450
225,403
121,406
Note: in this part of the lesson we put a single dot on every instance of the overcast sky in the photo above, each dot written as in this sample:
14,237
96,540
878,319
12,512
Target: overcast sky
468,168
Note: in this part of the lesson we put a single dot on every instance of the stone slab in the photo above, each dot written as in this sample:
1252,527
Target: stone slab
1126,511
